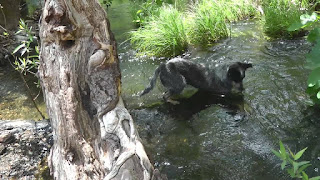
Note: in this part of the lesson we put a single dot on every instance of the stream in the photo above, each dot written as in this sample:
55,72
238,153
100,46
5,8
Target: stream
208,137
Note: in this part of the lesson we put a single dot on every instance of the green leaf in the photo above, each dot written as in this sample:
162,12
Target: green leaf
318,95
292,155
295,167
300,170
295,26
315,178
22,24
304,176
313,57
37,49
19,31
18,48
314,77
276,153
299,154
303,163
291,173
33,56
23,51
314,35
282,150
283,165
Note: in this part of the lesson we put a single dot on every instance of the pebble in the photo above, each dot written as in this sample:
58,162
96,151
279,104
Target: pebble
6,137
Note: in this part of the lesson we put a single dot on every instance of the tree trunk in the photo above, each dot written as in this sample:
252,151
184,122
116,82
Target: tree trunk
94,135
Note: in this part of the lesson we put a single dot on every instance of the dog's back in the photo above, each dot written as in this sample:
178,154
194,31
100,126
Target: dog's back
178,72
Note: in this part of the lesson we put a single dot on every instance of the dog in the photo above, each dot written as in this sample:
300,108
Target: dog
177,73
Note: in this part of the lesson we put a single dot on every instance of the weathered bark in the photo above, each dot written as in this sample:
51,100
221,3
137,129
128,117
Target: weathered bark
94,135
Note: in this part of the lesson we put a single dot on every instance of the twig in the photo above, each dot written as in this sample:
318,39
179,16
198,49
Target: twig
4,16
30,94
3,28
37,95
28,90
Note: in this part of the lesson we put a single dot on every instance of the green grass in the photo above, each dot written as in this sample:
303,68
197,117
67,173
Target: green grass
170,32
163,35
279,15
208,20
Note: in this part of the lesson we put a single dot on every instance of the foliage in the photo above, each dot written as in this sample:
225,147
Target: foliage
207,20
164,35
290,161
145,11
207,23
106,3
169,31
26,54
280,14
311,22
148,8
32,6
27,57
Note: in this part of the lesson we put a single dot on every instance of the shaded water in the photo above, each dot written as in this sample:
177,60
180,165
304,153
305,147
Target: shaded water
206,137
15,103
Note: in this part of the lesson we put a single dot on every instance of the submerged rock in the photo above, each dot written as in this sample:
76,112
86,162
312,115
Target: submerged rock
23,146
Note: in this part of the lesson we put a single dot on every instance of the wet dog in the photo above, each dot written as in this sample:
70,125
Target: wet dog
177,73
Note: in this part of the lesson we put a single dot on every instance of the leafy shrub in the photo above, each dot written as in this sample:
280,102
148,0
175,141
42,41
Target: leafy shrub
27,57
290,162
169,32
280,14
311,22
208,19
27,53
164,35
207,23
143,11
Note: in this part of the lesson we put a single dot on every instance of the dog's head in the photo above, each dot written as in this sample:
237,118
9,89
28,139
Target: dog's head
236,74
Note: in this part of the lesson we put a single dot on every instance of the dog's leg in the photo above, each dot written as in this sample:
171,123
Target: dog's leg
167,98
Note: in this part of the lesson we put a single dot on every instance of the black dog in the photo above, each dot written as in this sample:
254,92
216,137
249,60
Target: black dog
178,72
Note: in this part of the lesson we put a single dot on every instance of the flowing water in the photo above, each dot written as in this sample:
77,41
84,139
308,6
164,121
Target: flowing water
208,137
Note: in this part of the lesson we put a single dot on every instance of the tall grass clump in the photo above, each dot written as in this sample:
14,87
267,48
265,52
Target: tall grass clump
142,10
208,20
163,35
280,14
206,23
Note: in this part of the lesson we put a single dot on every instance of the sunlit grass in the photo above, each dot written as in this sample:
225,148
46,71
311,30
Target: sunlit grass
280,14
163,35
208,20
169,33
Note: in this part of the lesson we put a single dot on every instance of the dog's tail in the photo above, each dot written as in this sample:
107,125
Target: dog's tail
153,80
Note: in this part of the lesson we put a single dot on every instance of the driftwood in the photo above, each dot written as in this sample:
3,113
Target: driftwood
94,135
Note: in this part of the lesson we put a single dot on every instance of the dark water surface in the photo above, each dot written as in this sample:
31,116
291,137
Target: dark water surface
208,137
